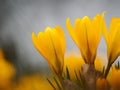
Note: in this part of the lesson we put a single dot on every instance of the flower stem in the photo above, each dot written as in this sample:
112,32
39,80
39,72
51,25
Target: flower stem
107,70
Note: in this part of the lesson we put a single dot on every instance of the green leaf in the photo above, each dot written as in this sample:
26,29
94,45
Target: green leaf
57,83
51,84
67,73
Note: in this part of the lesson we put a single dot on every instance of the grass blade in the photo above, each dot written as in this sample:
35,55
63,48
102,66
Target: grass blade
51,84
67,73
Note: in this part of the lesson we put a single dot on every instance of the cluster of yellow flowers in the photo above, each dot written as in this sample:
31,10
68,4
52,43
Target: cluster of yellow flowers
86,34
72,72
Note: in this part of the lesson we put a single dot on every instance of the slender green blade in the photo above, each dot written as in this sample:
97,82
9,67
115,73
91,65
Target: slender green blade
57,83
67,73
51,84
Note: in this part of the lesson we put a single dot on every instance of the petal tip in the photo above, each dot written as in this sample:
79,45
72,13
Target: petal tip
33,34
68,19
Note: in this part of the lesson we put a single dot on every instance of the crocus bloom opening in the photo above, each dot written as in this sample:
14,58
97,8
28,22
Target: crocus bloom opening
51,44
112,39
86,34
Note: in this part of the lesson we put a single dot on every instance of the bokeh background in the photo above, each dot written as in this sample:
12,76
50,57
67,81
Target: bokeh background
19,18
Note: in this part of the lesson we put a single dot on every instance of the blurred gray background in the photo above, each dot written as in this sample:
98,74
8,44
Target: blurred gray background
19,18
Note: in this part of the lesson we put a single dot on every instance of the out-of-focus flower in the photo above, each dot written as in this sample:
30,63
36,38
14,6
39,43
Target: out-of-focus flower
86,34
74,64
112,39
32,82
7,72
99,64
102,84
51,44
114,78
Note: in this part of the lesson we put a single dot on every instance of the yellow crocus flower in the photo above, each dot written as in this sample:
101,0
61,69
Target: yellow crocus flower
112,39
51,44
99,64
86,34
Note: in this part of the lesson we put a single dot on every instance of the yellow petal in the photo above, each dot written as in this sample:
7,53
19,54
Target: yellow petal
112,39
102,84
95,33
114,22
114,44
39,44
51,44
99,64
71,31
62,38
114,78
104,31
74,63
86,34
58,51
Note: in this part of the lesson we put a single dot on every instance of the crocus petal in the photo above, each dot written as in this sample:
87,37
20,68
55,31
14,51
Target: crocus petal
71,31
95,34
62,39
51,44
115,47
104,30
112,39
114,78
77,63
99,64
86,34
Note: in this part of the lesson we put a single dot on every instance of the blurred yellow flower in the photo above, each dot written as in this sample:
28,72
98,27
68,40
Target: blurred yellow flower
102,84
100,64
74,64
114,78
7,72
51,44
86,34
32,82
112,39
